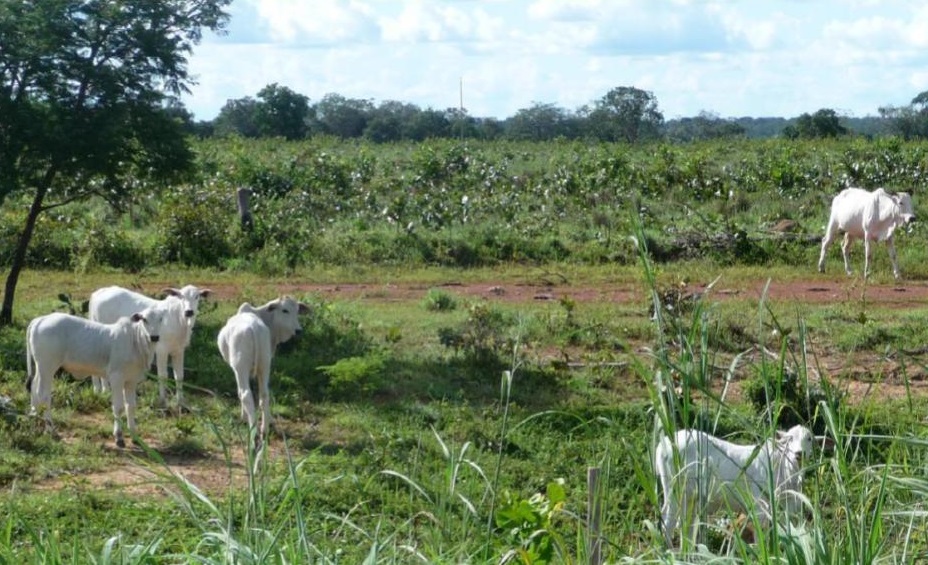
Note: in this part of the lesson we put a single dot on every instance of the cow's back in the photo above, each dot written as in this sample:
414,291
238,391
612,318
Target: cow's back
107,305
76,345
849,208
245,341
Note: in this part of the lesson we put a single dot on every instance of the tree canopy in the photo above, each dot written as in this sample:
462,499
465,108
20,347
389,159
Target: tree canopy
85,92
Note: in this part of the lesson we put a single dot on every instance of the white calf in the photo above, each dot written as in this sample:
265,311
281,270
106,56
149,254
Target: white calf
871,216
121,352
180,309
247,343
715,474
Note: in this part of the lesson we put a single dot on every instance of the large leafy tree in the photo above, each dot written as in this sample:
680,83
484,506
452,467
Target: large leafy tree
823,123
84,86
342,117
627,114
541,122
909,122
282,112
238,116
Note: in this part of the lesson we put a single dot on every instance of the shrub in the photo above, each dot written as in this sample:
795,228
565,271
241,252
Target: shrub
437,300
103,245
355,376
192,229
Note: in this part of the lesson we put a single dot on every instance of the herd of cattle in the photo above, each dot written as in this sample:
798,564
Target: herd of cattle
126,331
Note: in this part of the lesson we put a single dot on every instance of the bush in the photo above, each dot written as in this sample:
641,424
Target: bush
103,245
355,377
192,228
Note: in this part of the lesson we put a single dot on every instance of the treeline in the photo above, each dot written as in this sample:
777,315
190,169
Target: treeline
624,114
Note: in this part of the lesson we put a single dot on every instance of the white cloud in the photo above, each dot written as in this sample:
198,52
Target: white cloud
756,57
317,22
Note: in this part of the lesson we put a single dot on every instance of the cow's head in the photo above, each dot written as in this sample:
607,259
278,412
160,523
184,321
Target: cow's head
190,296
906,210
796,441
285,322
152,319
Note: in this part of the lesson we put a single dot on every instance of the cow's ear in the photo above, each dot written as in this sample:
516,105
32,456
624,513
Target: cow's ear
274,305
137,317
171,291
305,308
205,292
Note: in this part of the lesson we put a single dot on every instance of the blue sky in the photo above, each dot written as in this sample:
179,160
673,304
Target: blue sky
728,57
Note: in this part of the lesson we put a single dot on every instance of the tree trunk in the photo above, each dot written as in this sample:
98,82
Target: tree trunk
19,255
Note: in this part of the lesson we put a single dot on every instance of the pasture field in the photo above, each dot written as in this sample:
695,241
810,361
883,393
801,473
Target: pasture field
411,446
489,322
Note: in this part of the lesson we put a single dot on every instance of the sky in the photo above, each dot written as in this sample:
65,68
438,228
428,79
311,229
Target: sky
730,58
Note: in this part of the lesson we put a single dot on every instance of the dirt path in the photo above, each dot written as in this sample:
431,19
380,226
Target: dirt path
900,295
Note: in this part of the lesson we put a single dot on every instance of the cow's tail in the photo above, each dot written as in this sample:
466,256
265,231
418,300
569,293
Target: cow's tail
30,359
262,357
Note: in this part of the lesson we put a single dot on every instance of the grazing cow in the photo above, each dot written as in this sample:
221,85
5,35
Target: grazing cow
180,308
871,216
247,343
121,351
715,474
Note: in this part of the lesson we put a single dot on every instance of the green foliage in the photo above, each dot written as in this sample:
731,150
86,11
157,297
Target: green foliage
112,246
483,338
355,377
530,527
437,300
190,231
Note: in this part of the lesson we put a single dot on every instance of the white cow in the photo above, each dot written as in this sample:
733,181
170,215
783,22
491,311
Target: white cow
247,343
712,474
180,308
121,352
871,216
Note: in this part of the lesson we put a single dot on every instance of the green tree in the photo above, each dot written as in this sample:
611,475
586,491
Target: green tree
390,121
342,117
540,122
238,117
282,112
83,86
625,114
428,123
908,122
706,125
822,124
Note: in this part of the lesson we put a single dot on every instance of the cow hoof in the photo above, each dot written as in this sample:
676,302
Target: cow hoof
121,443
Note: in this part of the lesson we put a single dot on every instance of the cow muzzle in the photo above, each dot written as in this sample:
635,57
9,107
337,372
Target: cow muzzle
155,338
188,313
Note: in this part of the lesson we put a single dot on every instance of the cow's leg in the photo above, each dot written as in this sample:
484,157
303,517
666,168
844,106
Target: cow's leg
669,516
866,255
826,241
40,393
117,385
161,360
845,252
177,364
129,392
245,395
264,398
891,247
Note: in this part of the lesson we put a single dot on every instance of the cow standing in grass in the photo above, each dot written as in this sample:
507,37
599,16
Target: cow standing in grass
180,308
247,343
121,352
871,216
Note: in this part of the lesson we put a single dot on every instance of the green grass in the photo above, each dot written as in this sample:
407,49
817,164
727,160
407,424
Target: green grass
445,460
